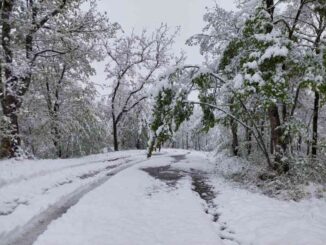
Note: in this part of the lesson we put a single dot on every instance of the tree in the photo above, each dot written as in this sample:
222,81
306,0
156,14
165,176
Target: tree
43,30
16,82
134,63
255,77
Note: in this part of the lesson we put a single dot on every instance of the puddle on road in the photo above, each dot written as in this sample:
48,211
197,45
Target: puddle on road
178,158
206,192
202,187
166,174
200,184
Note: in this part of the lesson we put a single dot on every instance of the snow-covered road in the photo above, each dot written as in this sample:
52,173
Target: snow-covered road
174,198
135,208
35,192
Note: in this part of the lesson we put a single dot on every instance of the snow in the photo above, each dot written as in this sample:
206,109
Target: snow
251,218
255,78
18,170
30,187
251,65
257,219
238,81
134,208
274,51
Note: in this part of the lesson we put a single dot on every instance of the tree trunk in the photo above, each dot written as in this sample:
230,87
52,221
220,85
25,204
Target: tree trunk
10,101
276,132
234,130
299,143
278,146
270,7
11,142
56,111
56,132
235,140
115,133
151,147
249,139
314,147
137,144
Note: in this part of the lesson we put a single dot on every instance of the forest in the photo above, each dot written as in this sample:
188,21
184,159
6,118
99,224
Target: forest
261,88
262,85
229,149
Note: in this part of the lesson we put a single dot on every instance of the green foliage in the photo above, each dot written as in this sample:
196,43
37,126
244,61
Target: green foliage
206,99
262,67
231,51
161,108
182,111
169,112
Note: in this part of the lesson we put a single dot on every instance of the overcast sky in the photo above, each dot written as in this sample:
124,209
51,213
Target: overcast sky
140,14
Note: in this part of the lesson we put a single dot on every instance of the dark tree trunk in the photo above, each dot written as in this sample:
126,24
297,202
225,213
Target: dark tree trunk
115,133
151,147
54,111
308,147
262,131
249,139
234,130
138,146
314,147
276,132
284,112
235,140
270,7
56,131
278,146
274,123
11,142
299,143
10,101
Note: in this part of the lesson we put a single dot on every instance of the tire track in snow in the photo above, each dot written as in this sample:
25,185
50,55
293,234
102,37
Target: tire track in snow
45,172
27,234
8,205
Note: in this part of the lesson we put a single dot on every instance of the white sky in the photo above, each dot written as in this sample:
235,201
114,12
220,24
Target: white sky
140,14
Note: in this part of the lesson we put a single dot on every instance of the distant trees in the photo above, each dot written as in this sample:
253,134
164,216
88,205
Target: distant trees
264,82
49,106
135,61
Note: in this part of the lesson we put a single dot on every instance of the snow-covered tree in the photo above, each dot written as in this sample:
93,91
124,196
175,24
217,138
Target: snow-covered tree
135,62
254,79
36,32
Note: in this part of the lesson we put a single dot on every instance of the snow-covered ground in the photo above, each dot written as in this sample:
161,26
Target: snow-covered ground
252,218
175,198
29,187
135,208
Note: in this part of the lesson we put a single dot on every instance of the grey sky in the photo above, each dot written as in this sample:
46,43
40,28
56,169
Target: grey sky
140,14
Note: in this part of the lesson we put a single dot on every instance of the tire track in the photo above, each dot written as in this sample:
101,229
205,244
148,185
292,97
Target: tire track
44,173
27,234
